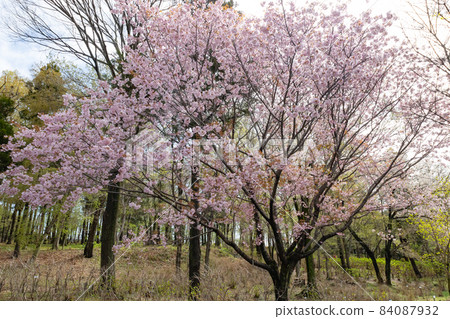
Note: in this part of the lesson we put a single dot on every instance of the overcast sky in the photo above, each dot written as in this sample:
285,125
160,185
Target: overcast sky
22,56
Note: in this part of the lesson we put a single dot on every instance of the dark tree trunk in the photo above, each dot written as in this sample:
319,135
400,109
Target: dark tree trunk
341,252
194,261
89,248
108,235
369,253
448,277
16,252
281,281
415,268
195,253
167,232
346,253
387,250
388,257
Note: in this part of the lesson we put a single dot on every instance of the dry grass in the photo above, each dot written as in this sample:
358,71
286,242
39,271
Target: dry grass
148,273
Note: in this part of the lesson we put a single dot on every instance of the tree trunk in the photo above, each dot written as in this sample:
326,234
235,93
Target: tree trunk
415,268
83,232
56,234
179,241
195,253
41,239
217,242
448,277
341,252
297,269
310,272
387,249
19,235
208,248
281,281
108,235
388,256
13,224
318,261
327,268
369,253
89,248
346,253
31,226
194,261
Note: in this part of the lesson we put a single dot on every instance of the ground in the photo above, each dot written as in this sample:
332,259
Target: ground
148,273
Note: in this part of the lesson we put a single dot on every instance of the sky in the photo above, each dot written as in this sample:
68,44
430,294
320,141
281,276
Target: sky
22,56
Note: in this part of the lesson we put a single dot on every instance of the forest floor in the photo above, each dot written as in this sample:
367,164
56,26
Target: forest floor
148,273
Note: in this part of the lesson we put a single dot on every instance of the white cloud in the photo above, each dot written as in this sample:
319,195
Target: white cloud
19,56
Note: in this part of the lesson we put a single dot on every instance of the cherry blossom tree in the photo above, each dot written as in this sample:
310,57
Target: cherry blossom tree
291,123
300,118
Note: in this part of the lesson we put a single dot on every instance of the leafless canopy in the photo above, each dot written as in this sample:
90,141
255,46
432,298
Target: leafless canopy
432,18
86,29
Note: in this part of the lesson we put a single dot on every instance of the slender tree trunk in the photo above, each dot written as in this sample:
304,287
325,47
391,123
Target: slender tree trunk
327,268
448,277
13,224
208,248
369,253
18,238
217,242
31,225
415,268
89,248
56,234
346,252
179,240
41,228
388,256
41,239
19,234
194,261
341,252
318,261
387,250
252,245
195,253
167,232
83,232
108,235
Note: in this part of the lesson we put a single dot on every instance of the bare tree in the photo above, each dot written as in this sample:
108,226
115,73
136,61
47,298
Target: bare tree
86,29
431,19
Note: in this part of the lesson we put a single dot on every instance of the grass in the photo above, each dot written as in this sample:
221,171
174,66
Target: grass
148,273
